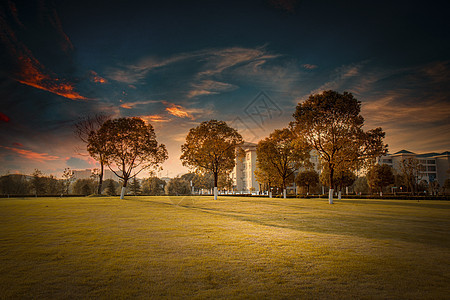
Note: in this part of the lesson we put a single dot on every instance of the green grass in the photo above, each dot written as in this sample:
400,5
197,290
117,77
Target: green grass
195,247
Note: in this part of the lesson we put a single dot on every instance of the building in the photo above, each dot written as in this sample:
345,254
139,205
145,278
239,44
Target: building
87,173
243,174
81,174
433,166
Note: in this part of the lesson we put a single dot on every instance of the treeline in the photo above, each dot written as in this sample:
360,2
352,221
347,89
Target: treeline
39,184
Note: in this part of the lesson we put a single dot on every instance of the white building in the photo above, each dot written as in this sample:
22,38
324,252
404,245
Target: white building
434,166
243,174
87,173
81,174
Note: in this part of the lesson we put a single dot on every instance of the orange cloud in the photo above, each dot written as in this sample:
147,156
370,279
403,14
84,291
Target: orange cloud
96,78
29,70
177,110
41,157
126,105
154,119
32,74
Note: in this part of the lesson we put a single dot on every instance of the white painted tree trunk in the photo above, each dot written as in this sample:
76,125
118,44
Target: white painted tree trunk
215,192
284,193
122,192
340,194
270,194
330,196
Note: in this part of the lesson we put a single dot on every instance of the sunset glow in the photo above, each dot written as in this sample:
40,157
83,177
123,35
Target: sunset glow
175,66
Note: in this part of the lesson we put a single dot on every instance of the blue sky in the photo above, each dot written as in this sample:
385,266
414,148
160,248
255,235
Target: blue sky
177,63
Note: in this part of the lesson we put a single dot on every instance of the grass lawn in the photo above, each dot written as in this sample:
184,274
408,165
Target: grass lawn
195,247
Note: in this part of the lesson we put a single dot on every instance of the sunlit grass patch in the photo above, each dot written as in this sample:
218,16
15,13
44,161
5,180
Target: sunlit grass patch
152,247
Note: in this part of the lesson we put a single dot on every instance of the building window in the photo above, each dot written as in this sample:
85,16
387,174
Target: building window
431,162
432,168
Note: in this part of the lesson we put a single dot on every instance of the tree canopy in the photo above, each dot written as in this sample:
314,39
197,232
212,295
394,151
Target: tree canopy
307,178
331,124
211,147
130,146
280,155
379,176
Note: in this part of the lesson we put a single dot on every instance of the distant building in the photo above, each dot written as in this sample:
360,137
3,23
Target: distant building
87,173
434,166
81,174
243,174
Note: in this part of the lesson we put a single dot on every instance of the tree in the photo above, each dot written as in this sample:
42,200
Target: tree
341,179
267,178
211,147
86,130
308,178
331,124
67,177
379,176
14,184
52,185
360,185
129,145
38,182
135,186
84,187
178,186
111,187
281,155
410,170
153,186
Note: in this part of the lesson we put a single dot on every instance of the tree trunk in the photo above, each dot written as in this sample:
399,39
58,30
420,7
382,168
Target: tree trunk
339,195
216,177
124,187
284,193
100,179
330,192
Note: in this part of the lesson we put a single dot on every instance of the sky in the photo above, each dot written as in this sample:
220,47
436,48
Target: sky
249,63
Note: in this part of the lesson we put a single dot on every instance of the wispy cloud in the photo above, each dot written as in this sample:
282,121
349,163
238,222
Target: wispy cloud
178,110
155,119
28,69
28,154
209,61
131,105
210,87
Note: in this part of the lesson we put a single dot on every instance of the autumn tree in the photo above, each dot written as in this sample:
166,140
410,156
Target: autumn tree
331,124
266,178
129,146
379,176
153,186
360,185
307,178
211,147
178,186
410,170
341,179
281,155
86,130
